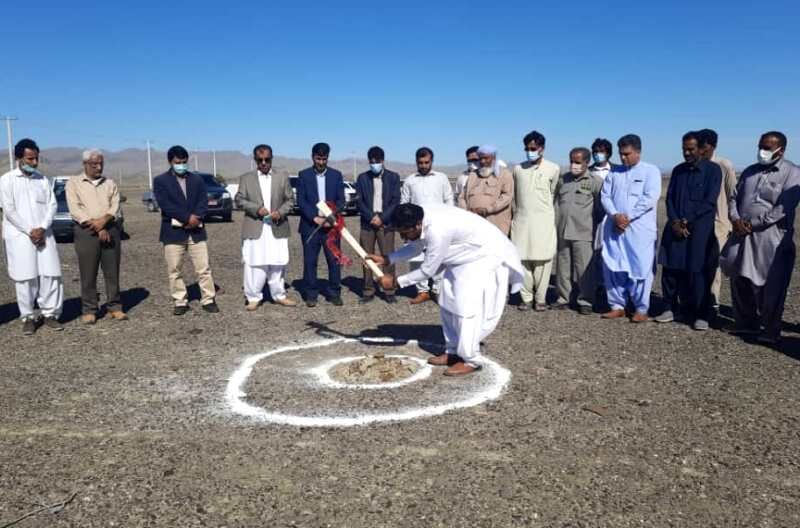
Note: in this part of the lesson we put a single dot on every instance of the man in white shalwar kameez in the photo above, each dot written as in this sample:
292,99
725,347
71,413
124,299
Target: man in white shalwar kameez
29,207
476,261
266,198
426,187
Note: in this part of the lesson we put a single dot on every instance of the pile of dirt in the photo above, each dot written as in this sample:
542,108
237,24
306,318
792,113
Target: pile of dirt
374,369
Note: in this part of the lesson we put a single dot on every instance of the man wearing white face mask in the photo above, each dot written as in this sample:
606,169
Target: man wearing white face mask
578,212
29,207
473,165
378,196
489,191
533,229
760,254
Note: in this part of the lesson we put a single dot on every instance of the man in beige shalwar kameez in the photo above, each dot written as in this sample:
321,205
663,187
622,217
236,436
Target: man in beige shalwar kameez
533,229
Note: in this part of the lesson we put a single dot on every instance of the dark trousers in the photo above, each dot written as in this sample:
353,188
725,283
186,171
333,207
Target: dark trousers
310,257
92,255
754,305
384,239
688,292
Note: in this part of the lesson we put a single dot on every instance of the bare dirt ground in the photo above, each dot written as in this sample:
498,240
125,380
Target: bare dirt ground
601,424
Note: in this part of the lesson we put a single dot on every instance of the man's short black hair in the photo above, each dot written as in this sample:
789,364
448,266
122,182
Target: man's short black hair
707,136
692,134
22,144
376,153
177,152
262,146
422,152
780,136
585,153
630,140
604,145
407,215
472,149
321,149
534,136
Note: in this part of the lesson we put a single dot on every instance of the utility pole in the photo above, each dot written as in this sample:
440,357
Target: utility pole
214,159
8,120
149,166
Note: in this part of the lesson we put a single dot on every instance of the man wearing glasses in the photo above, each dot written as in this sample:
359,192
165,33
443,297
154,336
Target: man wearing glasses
266,198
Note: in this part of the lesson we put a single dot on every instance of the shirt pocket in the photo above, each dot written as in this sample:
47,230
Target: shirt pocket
583,196
696,191
636,188
770,191
40,195
542,183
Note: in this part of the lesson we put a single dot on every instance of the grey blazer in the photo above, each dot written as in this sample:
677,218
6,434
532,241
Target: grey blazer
249,198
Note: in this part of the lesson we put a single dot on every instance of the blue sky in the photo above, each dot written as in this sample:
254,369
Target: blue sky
228,75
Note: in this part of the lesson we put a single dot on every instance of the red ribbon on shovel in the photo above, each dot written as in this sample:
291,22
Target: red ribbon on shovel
334,236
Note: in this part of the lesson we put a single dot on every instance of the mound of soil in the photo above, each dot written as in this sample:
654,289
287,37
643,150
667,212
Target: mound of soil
374,369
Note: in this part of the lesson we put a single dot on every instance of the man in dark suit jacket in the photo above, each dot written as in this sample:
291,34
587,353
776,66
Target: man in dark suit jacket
315,183
378,196
183,200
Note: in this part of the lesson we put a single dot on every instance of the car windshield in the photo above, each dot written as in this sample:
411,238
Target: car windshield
60,190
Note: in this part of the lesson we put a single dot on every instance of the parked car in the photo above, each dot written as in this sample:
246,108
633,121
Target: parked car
350,197
62,222
149,201
220,199
232,189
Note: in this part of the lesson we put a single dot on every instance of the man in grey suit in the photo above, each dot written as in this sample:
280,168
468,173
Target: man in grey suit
265,230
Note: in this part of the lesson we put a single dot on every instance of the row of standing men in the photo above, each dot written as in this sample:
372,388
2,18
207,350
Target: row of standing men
597,221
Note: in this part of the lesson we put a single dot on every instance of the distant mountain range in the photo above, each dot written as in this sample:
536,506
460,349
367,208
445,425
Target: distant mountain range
130,165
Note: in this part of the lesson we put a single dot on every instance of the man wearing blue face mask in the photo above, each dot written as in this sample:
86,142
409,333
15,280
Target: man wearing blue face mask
29,207
759,255
600,168
183,199
533,229
378,196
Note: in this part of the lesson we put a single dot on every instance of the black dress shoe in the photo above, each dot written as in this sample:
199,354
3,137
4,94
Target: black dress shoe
391,299
180,310
311,303
366,299
336,301
211,308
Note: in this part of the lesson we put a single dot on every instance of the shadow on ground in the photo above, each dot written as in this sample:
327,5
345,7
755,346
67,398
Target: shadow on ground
430,337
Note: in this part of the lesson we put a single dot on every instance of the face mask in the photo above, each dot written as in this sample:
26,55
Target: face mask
472,166
485,172
599,157
180,168
533,155
27,169
376,168
577,168
765,156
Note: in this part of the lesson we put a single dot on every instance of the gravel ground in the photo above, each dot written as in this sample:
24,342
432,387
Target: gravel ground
602,423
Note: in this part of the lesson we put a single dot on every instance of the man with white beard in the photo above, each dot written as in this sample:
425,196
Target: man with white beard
29,207
476,261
